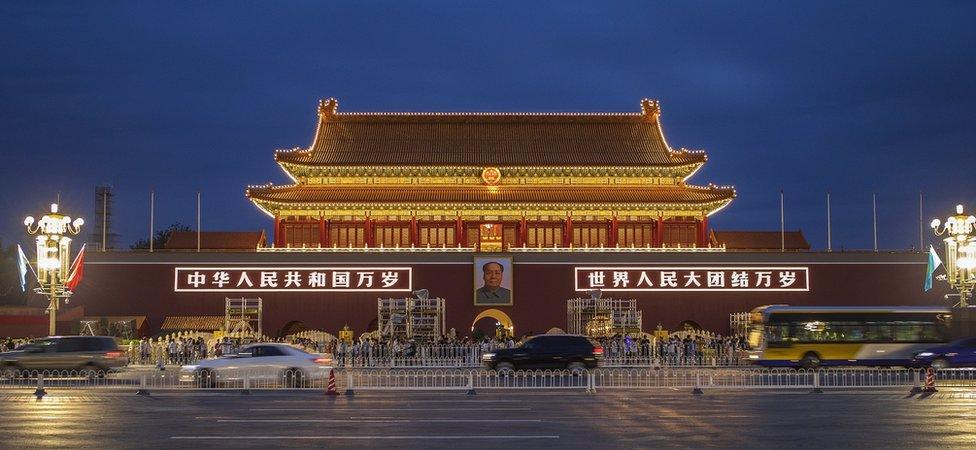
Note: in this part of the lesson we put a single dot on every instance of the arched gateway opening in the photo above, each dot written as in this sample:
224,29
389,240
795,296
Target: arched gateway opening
293,327
491,321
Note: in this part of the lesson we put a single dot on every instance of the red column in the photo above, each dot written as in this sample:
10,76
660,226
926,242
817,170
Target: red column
368,232
321,231
703,231
523,232
659,232
328,233
568,231
284,233
277,231
459,232
614,232
414,232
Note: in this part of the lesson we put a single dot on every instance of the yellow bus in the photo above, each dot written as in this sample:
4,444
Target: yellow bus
811,336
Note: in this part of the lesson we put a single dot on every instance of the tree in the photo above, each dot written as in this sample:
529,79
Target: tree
161,237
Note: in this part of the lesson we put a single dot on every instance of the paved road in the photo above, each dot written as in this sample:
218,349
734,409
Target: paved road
844,419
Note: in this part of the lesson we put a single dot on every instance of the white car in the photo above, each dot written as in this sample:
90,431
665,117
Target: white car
263,365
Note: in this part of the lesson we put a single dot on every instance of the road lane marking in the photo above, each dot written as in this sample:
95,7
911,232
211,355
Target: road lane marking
427,437
373,420
391,409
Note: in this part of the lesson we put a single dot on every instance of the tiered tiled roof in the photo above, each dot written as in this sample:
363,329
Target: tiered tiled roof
546,160
480,139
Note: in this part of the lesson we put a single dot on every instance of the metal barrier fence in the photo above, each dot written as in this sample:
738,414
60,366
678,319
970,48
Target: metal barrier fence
479,379
440,356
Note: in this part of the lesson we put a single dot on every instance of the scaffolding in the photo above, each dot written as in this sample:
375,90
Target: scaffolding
242,316
739,324
600,317
102,238
419,318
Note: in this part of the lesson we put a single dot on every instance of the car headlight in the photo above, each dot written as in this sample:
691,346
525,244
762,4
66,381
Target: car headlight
487,356
925,354
190,368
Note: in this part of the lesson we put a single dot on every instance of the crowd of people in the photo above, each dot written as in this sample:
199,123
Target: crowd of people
636,349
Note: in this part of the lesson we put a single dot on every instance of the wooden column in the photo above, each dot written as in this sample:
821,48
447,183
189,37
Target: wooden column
277,231
284,233
523,232
328,233
321,231
459,232
702,240
568,231
368,232
613,238
659,232
414,232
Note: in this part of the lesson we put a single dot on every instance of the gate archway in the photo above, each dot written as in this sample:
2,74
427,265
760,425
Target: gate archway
499,317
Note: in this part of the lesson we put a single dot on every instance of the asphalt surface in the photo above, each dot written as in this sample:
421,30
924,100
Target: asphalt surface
528,419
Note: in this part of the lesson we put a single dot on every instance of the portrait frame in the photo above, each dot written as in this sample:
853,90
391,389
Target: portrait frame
508,279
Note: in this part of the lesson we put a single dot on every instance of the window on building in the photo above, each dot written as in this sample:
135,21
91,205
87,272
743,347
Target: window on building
302,234
680,233
591,234
441,235
393,234
544,235
635,234
347,234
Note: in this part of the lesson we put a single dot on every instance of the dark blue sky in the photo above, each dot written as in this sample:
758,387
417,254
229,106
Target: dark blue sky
851,97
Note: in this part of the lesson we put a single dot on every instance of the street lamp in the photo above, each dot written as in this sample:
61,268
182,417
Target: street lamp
53,256
960,252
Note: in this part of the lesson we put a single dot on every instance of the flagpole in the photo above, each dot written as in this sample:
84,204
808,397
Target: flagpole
104,217
920,244
782,223
829,246
198,221
152,217
874,217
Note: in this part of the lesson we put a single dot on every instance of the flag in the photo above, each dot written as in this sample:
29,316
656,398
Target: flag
934,263
22,263
77,270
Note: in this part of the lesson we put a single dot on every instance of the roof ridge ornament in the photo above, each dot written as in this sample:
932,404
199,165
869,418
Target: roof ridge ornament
328,107
650,108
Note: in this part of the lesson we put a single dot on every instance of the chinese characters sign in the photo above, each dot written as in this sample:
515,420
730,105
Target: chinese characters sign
693,278
294,279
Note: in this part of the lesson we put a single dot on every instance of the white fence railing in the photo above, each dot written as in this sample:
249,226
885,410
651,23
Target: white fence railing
351,380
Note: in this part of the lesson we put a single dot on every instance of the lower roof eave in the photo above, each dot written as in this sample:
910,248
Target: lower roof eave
501,210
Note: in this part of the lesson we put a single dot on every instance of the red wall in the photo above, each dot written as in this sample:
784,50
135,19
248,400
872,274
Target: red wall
142,284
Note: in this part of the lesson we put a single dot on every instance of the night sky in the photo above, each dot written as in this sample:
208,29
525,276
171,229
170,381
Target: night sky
851,97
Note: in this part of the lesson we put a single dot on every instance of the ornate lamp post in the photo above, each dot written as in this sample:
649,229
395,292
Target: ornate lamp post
53,256
960,252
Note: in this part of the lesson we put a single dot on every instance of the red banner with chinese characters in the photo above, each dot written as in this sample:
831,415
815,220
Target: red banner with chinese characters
293,279
693,278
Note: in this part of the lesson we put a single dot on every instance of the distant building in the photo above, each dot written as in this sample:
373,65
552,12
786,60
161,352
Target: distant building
216,240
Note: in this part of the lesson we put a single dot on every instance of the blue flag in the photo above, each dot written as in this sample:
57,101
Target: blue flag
934,263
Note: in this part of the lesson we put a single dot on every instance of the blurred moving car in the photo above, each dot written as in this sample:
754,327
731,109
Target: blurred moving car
258,362
87,354
550,351
958,353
